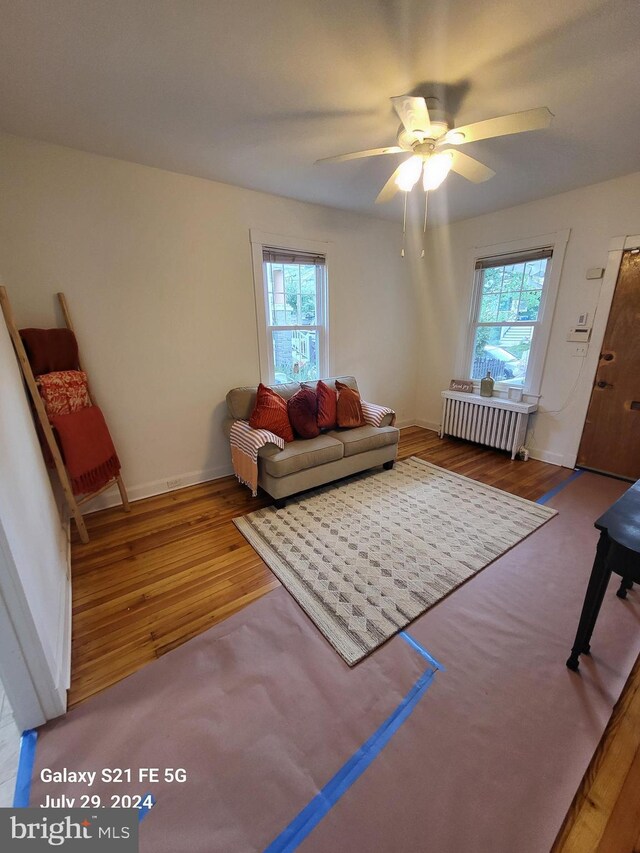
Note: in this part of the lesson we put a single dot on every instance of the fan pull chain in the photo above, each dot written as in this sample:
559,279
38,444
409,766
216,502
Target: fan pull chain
424,229
404,224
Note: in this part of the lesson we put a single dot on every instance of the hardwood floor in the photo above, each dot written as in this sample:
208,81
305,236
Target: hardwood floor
176,565
150,580
605,814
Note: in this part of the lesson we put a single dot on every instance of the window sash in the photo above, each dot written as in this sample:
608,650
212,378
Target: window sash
506,260
498,323
283,256
516,258
310,328
317,330
320,279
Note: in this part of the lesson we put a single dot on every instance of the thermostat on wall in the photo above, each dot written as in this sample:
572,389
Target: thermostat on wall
579,335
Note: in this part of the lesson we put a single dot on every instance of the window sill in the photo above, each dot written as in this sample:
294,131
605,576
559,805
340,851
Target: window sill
501,392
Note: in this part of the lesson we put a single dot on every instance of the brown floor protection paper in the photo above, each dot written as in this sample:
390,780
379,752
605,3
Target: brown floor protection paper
262,713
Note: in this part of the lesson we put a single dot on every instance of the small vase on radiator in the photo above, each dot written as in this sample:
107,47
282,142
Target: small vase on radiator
486,385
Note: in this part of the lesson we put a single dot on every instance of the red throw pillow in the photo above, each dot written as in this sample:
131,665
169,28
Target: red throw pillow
271,413
303,411
327,402
349,407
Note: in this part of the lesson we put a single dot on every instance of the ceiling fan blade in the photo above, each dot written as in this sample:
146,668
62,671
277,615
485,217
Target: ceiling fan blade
469,167
372,152
412,112
389,189
501,126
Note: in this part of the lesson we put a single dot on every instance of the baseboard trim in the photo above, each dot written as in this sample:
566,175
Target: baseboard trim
111,497
534,453
405,424
547,456
430,425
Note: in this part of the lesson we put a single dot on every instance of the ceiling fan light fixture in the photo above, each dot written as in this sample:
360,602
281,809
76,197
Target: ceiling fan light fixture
409,173
455,137
438,129
436,169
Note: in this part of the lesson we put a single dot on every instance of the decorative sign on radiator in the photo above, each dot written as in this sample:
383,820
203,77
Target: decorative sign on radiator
464,385
493,421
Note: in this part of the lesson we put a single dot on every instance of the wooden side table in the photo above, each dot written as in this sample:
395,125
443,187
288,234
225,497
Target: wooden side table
618,551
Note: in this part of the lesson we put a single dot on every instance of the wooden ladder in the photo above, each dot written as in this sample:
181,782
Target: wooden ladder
38,404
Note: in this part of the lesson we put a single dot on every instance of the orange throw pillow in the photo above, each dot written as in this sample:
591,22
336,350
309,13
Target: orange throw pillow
271,413
349,407
327,402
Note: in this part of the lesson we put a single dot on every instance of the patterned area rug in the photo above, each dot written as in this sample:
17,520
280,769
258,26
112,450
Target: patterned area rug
364,558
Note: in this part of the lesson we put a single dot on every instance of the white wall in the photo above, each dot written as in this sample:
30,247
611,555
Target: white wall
34,584
157,271
594,214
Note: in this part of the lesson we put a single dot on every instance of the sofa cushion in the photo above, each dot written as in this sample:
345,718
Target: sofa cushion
300,454
303,411
365,438
271,413
242,401
349,407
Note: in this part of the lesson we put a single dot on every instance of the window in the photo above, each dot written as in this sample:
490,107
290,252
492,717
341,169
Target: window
294,285
507,314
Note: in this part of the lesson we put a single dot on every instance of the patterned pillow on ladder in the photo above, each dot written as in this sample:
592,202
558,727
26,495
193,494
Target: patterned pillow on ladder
63,391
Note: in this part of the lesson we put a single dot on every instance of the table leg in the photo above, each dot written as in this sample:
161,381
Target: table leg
625,584
586,648
592,601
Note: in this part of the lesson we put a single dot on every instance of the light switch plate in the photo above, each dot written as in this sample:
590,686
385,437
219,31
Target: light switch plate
595,272
579,350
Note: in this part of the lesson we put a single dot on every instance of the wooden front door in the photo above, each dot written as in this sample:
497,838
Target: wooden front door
611,435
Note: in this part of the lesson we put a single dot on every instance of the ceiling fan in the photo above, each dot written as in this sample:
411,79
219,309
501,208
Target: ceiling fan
427,134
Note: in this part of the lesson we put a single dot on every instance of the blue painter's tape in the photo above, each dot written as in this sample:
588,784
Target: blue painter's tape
323,802
422,651
22,793
143,811
550,494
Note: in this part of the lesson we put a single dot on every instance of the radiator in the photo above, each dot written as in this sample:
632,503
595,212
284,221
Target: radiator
485,420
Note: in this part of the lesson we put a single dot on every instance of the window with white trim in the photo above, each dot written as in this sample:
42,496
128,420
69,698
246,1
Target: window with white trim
508,306
295,300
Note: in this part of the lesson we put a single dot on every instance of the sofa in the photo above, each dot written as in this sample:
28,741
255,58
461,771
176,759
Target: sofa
307,463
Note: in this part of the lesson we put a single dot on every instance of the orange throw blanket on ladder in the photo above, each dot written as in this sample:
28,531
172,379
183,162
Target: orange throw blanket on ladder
89,454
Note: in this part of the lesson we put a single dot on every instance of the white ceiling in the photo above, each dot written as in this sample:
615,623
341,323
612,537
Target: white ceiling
252,92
